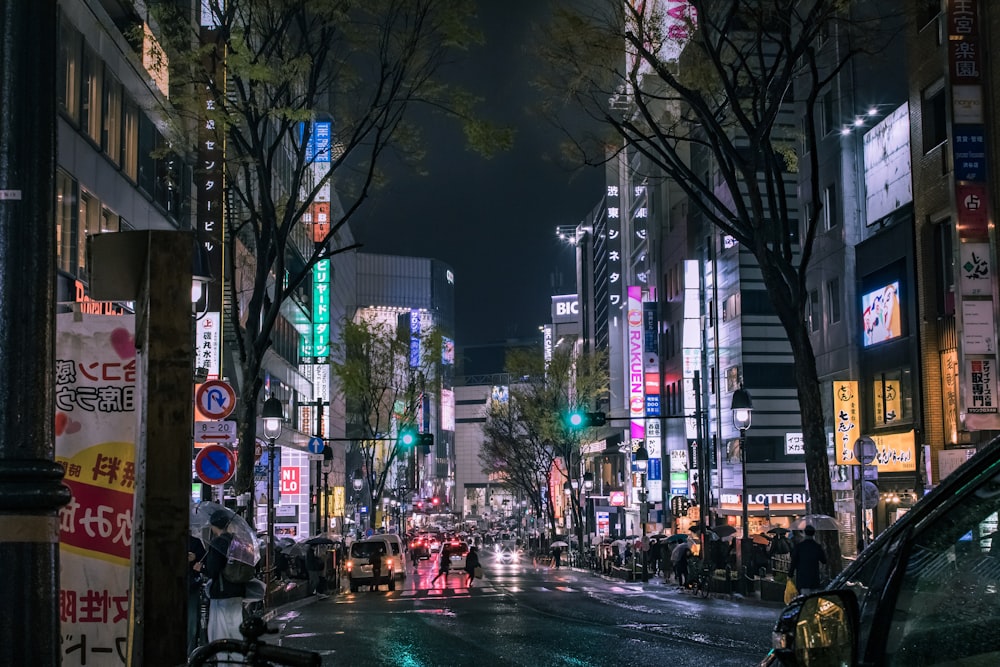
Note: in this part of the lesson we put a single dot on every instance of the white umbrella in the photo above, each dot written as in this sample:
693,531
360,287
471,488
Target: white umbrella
817,521
559,543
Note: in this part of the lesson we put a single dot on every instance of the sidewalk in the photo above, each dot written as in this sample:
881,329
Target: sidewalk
658,584
287,595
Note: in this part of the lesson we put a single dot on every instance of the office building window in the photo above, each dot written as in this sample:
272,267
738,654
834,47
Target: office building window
944,268
828,116
111,127
68,72
89,224
813,310
831,212
65,219
92,94
934,113
130,141
892,397
833,300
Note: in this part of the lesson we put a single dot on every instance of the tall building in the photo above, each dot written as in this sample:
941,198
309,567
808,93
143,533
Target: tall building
417,295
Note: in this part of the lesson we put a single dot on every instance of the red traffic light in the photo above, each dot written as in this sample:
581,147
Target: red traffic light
435,500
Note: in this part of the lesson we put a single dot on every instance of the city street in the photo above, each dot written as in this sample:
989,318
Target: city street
525,614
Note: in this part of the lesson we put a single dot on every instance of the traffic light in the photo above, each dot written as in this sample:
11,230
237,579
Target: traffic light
408,437
426,441
579,419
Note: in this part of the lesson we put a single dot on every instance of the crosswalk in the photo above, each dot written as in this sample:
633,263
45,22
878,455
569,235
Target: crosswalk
489,588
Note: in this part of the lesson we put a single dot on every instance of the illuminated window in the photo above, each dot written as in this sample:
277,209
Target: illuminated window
92,94
111,125
130,141
65,219
89,224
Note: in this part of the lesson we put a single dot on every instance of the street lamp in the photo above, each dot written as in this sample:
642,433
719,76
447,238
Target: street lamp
588,486
358,482
272,414
742,408
642,464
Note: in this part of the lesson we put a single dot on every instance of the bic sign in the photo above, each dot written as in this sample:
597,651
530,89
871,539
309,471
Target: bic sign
290,480
568,308
565,308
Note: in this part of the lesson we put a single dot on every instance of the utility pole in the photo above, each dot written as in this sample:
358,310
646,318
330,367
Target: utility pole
31,489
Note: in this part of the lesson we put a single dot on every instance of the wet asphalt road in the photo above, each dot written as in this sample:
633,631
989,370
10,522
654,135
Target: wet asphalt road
524,614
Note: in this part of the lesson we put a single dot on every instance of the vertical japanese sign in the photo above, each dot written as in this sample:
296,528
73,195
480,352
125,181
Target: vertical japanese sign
846,421
414,338
614,245
321,312
651,394
209,178
981,379
640,234
95,431
974,211
635,377
691,333
968,119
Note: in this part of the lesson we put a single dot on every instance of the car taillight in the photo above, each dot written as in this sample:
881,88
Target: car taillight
350,565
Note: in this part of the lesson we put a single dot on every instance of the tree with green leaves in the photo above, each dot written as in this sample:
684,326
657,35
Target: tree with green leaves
364,66
681,83
384,394
528,442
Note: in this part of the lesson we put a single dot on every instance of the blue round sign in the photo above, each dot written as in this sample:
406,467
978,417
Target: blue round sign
215,464
316,445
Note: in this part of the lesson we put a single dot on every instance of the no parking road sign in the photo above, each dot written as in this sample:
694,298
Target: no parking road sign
215,399
215,464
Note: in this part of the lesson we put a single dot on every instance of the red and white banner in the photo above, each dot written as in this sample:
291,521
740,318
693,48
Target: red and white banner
95,428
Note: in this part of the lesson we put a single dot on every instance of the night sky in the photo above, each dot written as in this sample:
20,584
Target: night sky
492,220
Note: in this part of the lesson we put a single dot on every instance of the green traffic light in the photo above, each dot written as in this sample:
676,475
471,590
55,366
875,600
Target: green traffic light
575,419
407,437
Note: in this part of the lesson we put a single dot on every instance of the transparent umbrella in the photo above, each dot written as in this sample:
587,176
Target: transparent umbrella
817,521
243,547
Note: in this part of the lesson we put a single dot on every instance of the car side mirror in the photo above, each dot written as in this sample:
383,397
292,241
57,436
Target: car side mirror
818,629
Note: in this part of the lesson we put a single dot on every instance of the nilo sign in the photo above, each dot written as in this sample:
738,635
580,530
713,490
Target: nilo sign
290,480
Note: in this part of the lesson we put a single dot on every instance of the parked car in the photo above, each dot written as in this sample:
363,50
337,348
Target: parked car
926,592
359,565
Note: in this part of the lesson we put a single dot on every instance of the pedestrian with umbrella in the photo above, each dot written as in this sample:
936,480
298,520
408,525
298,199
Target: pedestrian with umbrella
679,559
225,612
806,558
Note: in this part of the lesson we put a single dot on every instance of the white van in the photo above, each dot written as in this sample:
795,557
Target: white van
359,565
396,552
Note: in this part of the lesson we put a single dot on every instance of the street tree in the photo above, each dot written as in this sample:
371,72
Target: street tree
383,388
271,70
528,441
684,79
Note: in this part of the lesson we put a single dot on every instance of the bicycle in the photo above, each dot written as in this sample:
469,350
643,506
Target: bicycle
255,652
701,583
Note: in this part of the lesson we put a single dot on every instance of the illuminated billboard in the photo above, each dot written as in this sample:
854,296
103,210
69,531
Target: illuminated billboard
881,314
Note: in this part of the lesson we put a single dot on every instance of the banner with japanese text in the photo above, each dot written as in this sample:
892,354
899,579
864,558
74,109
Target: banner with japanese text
95,432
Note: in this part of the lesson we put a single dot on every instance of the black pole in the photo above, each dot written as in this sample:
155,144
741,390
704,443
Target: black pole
31,489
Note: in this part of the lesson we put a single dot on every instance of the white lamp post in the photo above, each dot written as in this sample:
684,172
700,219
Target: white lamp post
642,465
273,415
